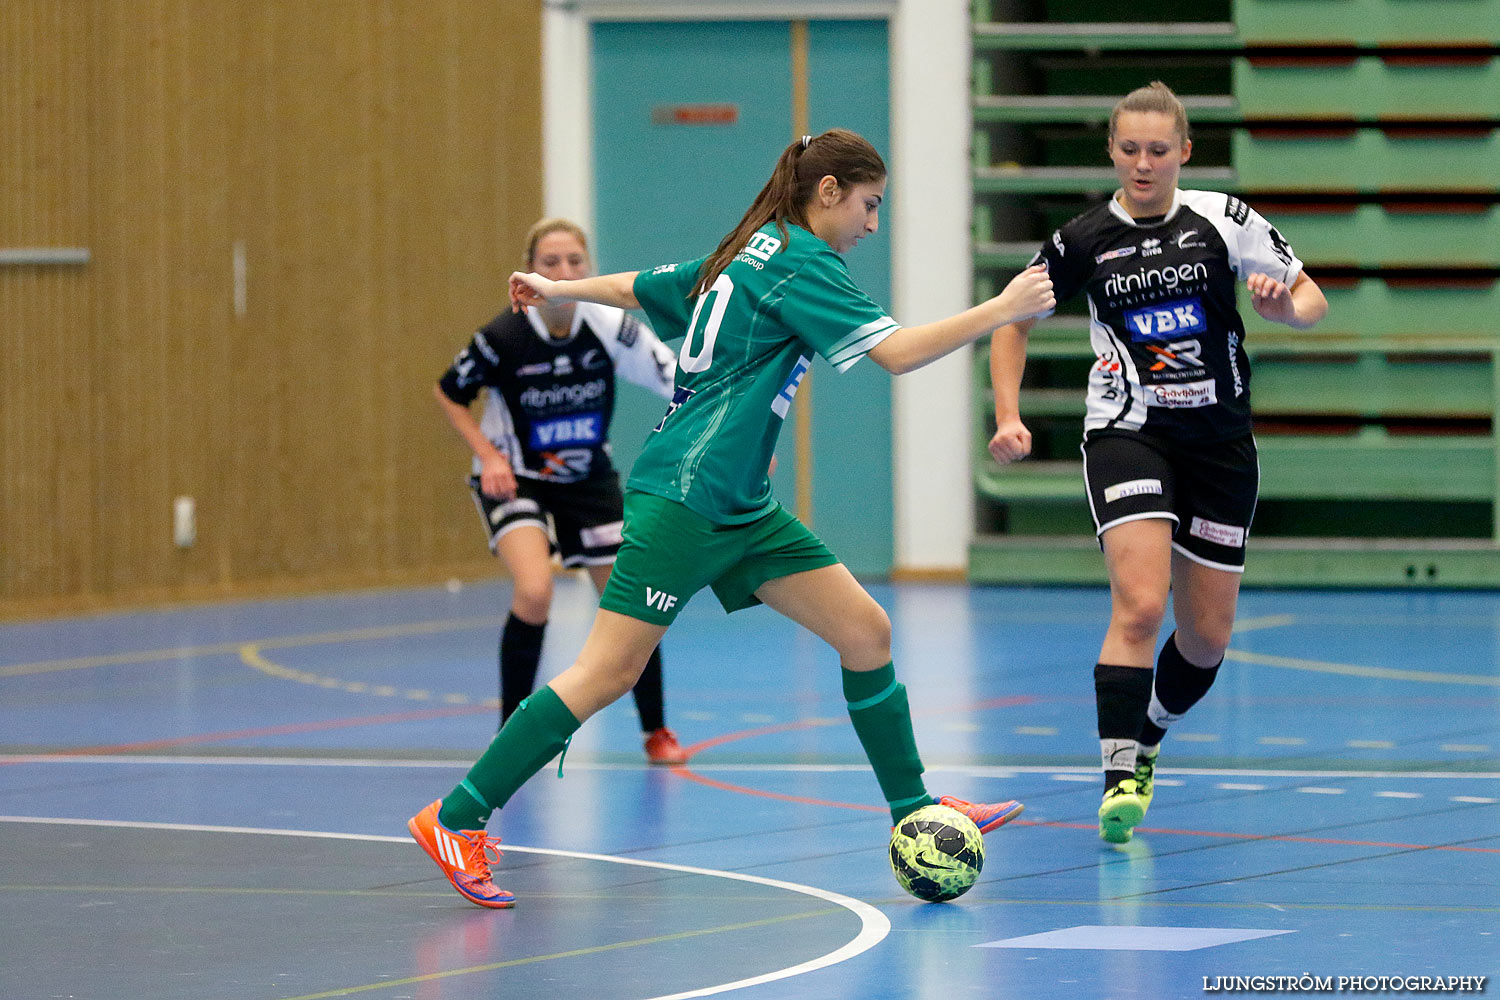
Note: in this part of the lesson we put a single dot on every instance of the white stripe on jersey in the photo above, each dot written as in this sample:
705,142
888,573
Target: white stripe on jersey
1129,410
500,427
853,346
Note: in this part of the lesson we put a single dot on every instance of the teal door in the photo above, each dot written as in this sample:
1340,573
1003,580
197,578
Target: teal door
688,121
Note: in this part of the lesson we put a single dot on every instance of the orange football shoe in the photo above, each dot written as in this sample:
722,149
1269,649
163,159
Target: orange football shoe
986,815
464,856
662,748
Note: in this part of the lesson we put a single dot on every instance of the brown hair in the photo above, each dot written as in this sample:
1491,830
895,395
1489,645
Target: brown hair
1154,97
545,227
844,155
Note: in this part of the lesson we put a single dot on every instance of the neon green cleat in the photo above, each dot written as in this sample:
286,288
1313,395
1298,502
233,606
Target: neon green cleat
1120,811
1145,777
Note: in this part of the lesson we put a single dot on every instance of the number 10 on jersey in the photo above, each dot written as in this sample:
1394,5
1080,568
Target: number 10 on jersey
706,328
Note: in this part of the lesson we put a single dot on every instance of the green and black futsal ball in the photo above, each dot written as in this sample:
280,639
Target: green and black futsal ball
937,853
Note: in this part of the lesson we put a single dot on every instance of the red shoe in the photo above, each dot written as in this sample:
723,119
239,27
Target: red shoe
662,748
987,816
464,857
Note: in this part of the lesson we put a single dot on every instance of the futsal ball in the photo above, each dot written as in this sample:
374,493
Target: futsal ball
937,853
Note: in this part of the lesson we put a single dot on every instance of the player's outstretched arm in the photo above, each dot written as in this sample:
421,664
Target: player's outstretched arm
1028,296
1012,440
531,289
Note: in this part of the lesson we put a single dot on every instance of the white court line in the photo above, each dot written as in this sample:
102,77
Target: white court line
874,925
970,770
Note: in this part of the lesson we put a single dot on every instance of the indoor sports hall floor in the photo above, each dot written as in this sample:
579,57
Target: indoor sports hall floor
211,803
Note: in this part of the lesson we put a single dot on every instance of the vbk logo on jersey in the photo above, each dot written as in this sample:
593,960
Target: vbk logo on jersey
578,428
1166,319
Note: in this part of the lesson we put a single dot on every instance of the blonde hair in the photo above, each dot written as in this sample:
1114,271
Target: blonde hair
1155,97
545,227
838,153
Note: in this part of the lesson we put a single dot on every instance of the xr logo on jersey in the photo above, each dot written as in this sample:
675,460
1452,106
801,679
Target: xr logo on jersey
1179,355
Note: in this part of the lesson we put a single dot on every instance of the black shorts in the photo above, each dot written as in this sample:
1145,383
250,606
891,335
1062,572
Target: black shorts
1208,489
583,521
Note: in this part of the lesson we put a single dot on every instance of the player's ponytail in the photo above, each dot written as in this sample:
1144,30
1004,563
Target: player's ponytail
844,155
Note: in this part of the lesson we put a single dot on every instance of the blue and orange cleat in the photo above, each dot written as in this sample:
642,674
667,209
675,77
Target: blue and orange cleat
464,857
986,815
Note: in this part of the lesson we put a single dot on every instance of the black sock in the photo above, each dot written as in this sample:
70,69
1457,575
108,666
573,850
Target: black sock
648,696
1121,695
520,652
1179,686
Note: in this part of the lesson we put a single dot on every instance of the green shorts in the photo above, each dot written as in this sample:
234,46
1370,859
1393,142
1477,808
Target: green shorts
670,553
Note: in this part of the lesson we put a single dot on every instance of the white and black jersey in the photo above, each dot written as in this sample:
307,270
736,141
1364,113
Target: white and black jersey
1163,320
549,401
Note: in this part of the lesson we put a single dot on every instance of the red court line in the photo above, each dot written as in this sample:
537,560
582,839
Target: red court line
741,789
684,771
241,734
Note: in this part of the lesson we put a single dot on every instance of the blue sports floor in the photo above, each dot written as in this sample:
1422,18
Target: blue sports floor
211,803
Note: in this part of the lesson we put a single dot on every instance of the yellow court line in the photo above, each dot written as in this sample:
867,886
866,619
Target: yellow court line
1264,621
223,648
893,901
575,953
1355,670
1346,669
250,656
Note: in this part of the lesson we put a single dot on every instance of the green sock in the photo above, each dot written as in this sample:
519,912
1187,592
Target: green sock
882,719
535,732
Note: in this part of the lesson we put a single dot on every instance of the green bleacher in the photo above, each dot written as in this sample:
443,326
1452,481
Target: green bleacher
1369,132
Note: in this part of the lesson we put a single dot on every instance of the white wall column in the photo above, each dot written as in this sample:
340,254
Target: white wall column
567,115
932,278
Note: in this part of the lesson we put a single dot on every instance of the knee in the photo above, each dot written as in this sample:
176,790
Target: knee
867,643
1203,642
614,680
531,600
1138,616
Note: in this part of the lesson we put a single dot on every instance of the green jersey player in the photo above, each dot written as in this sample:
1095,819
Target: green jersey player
698,506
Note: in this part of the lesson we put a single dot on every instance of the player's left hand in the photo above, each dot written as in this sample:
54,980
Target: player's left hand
529,289
1271,299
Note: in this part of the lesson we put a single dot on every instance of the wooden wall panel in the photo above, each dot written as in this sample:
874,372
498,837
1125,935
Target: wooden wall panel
45,490
160,282
379,163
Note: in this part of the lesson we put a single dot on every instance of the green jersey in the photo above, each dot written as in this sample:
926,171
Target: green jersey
748,341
